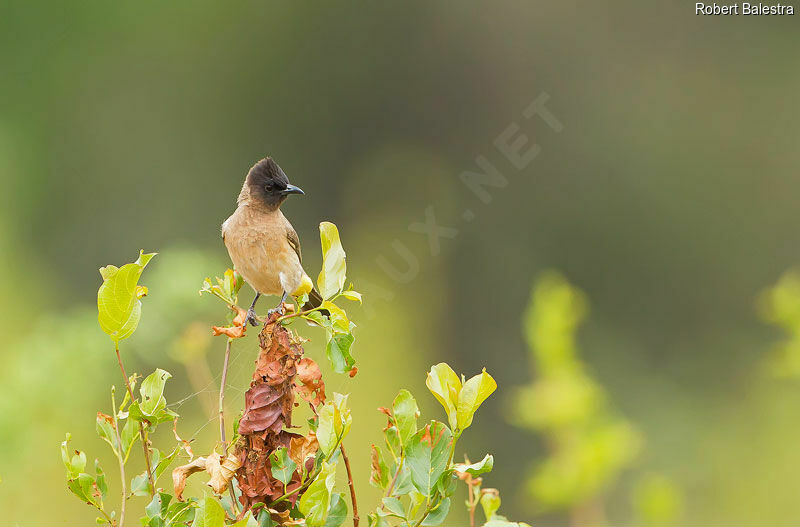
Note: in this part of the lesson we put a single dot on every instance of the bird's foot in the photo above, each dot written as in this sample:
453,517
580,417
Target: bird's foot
280,309
251,318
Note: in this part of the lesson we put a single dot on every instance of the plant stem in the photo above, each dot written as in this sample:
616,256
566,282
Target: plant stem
350,483
394,479
121,462
471,501
222,438
141,427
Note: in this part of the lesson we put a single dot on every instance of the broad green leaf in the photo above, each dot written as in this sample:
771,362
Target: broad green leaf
428,454
209,514
338,352
331,278
118,300
152,392
282,465
472,395
476,469
395,506
405,412
338,511
445,385
317,499
437,515
490,503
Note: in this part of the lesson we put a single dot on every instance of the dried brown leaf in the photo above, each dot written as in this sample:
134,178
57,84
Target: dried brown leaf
182,473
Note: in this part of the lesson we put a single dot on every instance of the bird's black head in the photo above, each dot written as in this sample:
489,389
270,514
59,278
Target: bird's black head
268,184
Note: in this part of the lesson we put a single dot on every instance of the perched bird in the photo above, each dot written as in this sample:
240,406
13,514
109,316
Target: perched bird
261,242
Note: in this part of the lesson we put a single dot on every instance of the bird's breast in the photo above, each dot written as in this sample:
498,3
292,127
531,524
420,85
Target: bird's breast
260,252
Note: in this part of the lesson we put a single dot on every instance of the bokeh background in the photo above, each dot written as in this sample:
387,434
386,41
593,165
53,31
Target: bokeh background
669,198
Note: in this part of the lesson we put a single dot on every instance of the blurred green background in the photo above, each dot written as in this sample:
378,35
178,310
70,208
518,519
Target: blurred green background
669,198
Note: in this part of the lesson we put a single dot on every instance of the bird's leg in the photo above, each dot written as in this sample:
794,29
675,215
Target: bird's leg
251,313
279,308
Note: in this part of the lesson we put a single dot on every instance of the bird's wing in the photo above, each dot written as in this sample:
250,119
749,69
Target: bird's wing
294,241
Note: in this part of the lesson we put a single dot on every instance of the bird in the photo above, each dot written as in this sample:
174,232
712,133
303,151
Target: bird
262,244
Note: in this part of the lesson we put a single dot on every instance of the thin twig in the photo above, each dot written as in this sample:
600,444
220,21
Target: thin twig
121,462
141,428
222,438
350,483
396,475
472,503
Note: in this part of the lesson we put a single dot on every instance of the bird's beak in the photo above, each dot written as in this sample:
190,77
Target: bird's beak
291,189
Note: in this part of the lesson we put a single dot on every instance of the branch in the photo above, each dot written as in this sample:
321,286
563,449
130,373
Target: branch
141,427
121,462
222,438
350,484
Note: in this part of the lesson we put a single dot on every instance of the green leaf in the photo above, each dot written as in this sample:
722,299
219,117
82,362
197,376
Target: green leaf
334,423
393,444
379,472
405,412
437,515
317,499
490,503
395,506
130,433
444,384
209,514
476,469
100,480
338,352
226,289
331,278
472,395
355,296
337,513
76,463
105,430
428,454
118,300
152,392
282,466
378,519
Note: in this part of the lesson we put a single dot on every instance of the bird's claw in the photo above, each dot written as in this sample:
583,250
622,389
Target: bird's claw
279,309
251,318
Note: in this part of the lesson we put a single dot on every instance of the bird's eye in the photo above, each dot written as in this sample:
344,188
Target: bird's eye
269,187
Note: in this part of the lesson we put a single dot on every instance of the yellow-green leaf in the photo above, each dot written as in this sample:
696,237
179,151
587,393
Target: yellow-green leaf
119,307
331,278
445,385
472,395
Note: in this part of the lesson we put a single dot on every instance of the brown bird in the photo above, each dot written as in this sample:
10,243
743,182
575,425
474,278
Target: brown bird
261,242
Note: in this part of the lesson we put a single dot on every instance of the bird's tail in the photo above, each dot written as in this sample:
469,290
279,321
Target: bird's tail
314,301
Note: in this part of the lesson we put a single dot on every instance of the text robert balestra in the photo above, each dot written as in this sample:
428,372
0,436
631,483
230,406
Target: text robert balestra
742,9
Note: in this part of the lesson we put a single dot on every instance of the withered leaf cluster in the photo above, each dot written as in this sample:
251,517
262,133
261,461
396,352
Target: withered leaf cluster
281,373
